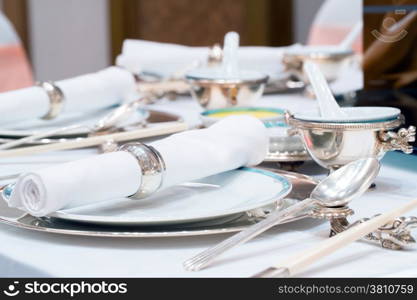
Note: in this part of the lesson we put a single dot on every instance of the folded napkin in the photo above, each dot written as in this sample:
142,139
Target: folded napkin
83,93
166,59
228,144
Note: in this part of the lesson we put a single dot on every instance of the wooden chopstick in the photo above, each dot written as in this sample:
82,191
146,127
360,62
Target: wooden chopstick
300,261
156,130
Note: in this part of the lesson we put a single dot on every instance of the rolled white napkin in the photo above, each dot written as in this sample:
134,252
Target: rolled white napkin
231,143
82,94
165,58
79,182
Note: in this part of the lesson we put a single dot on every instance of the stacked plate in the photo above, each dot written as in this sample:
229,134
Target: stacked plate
9,132
283,147
225,202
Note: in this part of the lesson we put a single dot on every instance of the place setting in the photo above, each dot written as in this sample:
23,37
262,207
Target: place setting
190,200
240,170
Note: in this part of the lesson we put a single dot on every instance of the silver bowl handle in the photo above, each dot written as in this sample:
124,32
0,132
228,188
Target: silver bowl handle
399,140
394,235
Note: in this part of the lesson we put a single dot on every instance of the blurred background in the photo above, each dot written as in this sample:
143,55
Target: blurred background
57,39
63,38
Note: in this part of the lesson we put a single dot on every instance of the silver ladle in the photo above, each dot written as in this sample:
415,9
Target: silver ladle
338,189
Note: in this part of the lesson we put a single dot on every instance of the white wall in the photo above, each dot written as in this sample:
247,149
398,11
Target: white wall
68,37
304,12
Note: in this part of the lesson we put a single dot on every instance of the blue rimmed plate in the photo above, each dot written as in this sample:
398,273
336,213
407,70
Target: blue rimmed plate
218,196
30,127
272,117
360,114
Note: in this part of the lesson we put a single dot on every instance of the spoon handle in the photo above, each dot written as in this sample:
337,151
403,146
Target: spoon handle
205,258
230,61
38,136
327,103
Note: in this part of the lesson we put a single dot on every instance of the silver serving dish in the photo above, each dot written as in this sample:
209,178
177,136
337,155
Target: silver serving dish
333,145
302,187
218,93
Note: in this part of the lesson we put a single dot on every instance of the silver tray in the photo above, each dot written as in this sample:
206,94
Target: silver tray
284,85
286,149
302,186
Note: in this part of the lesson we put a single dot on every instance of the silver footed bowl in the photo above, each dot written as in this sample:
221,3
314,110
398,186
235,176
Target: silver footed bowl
333,145
329,63
219,93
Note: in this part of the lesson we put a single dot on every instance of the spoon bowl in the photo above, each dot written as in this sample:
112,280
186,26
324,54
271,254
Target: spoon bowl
346,183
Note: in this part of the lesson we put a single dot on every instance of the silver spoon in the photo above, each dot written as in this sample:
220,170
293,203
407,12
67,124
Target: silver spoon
338,189
115,118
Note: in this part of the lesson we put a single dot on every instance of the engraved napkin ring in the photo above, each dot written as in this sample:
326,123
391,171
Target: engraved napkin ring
56,99
151,164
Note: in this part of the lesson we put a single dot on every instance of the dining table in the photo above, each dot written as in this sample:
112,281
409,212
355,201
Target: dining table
27,253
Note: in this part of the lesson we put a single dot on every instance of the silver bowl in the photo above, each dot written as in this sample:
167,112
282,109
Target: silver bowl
330,63
217,93
333,145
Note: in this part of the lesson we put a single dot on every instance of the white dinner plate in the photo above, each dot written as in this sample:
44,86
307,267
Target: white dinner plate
221,195
35,126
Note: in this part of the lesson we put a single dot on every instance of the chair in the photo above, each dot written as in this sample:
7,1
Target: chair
15,71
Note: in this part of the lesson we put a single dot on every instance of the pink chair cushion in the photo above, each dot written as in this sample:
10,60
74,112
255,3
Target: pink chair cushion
321,34
15,71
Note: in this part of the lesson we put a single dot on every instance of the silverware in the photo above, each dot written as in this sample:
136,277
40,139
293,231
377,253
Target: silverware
339,188
96,140
333,145
155,117
213,94
325,99
395,235
117,117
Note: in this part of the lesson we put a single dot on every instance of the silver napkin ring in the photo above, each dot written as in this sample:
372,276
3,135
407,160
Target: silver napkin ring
56,99
151,164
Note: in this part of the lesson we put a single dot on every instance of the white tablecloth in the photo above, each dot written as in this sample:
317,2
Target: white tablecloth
27,253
